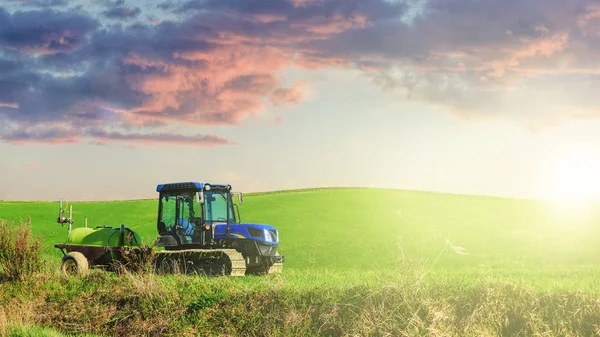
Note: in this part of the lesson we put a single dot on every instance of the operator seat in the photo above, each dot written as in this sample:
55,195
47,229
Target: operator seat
187,230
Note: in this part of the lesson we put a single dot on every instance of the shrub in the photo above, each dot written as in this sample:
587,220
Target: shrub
20,252
139,261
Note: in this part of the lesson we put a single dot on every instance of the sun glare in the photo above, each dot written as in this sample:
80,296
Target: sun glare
576,175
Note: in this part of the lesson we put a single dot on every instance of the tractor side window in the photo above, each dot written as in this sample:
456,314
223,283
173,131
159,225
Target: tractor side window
168,211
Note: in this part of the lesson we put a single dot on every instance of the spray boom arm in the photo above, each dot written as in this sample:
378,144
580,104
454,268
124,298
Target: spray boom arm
61,218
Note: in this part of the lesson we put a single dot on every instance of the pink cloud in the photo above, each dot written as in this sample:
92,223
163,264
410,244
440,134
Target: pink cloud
159,138
9,105
198,90
291,95
61,135
324,27
229,86
44,134
32,165
591,14
277,120
314,62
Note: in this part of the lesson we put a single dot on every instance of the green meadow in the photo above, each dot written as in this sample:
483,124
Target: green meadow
359,262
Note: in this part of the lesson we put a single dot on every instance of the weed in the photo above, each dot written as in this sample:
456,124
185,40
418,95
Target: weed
20,251
139,260
206,300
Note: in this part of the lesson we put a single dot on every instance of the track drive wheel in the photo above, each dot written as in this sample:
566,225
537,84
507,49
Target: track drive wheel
74,263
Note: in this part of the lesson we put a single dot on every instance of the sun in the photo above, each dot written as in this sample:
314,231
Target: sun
576,175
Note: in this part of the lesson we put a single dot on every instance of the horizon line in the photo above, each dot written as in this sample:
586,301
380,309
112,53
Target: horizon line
329,188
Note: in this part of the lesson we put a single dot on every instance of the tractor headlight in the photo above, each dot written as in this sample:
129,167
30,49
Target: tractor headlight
207,187
268,236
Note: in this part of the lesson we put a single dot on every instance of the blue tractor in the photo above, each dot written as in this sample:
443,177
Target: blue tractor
200,228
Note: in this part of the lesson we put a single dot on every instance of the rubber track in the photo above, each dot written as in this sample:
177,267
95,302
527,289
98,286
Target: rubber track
238,264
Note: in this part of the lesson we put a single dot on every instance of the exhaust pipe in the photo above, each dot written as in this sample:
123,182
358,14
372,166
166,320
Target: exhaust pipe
122,236
70,218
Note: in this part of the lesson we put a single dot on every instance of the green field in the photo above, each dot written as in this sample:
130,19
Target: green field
440,259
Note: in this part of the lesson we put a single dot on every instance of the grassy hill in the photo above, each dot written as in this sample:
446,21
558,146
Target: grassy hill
370,229
465,265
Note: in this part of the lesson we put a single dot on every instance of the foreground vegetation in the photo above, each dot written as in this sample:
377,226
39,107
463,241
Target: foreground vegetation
359,262
296,304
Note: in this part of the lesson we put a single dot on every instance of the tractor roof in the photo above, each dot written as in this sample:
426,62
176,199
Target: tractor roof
187,186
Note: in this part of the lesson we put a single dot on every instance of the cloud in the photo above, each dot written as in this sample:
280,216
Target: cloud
216,66
39,134
219,62
122,12
479,58
43,31
41,3
54,134
159,138
476,58
9,105
293,95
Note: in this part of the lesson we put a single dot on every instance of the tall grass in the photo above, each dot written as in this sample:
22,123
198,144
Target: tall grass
401,304
20,251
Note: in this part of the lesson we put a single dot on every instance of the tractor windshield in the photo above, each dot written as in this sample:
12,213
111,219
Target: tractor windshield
216,204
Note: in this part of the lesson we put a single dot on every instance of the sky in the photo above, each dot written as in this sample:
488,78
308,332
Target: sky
103,100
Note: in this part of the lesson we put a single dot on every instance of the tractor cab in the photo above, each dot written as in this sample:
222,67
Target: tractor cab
188,213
